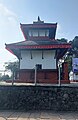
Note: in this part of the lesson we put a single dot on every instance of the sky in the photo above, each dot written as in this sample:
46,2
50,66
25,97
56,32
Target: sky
14,12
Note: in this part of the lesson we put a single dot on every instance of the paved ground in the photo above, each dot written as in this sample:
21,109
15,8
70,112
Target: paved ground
38,115
72,84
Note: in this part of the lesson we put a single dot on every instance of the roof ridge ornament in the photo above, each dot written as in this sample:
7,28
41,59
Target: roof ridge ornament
38,21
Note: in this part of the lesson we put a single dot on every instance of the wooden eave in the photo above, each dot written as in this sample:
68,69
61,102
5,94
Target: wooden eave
44,25
38,46
15,49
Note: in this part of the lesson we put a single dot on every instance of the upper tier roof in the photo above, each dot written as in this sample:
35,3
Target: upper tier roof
39,25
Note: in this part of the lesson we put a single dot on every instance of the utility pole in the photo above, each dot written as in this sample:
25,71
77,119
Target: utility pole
13,78
59,74
35,75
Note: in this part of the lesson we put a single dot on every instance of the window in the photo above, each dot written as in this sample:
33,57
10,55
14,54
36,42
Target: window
30,33
33,33
36,33
41,32
47,33
39,66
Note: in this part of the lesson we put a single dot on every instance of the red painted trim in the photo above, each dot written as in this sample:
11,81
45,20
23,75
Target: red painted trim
22,31
39,25
10,50
40,46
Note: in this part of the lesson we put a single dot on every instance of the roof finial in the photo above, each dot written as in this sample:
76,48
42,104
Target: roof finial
39,18
38,21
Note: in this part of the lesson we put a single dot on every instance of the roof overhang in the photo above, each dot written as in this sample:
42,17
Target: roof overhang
15,49
38,46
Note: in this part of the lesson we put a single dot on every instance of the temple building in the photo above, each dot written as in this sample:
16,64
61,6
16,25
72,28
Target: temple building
39,54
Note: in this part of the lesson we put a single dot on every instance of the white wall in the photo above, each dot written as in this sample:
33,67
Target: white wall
37,33
47,63
75,77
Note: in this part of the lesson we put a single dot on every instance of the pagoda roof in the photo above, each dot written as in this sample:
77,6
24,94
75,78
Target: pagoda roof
38,42
37,45
39,25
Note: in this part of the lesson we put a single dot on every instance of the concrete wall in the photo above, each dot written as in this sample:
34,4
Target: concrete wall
48,61
38,98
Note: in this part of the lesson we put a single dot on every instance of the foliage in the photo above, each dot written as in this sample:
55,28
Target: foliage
4,77
73,52
12,66
75,42
63,40
69,61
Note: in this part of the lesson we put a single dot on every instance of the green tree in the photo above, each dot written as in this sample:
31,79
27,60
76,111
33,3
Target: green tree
0,76
63,40
69,61
74,50
5,77
12,66
75,42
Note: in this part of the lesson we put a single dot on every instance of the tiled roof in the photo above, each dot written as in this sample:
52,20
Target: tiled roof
45,25
38,42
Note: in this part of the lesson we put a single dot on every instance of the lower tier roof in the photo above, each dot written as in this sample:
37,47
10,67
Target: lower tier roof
15,48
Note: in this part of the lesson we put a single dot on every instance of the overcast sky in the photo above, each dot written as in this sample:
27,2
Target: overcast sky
14,12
